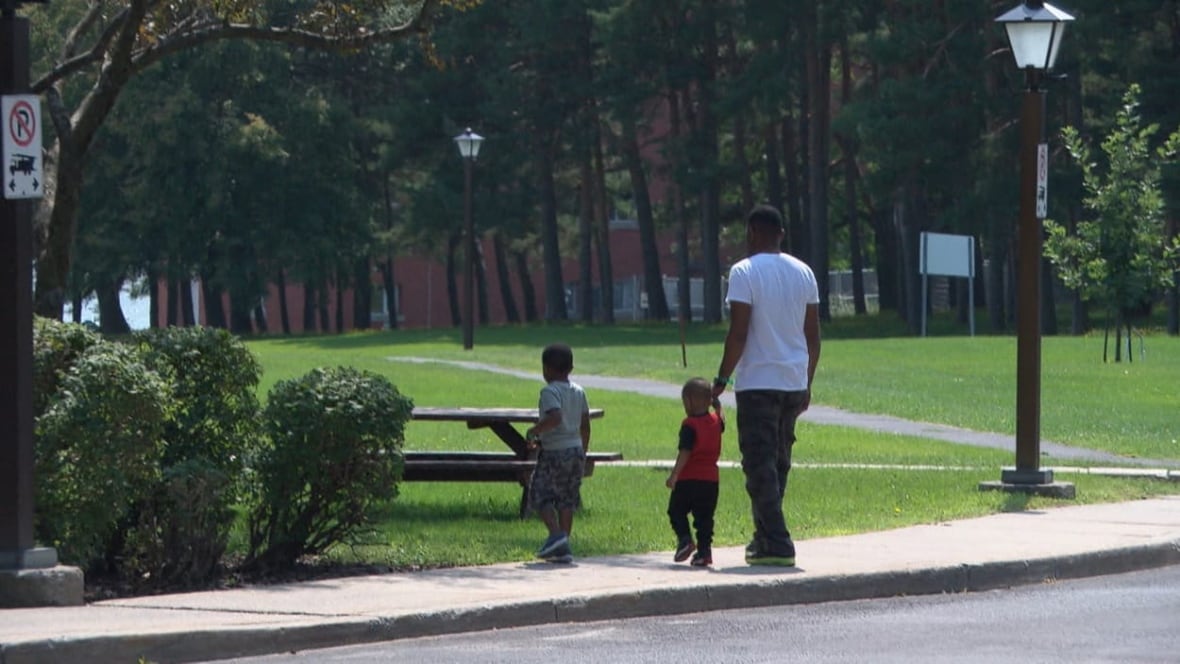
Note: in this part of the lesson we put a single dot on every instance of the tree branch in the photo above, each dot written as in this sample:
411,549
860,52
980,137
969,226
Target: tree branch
215,30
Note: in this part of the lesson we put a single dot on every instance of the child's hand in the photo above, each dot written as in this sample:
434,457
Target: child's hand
670,482
532,437
716,403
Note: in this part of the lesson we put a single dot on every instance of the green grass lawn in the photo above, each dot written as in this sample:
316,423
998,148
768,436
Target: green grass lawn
1127,408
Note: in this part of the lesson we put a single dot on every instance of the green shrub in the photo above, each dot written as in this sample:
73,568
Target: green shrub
98,444
183,529
56,347
335,450
215,378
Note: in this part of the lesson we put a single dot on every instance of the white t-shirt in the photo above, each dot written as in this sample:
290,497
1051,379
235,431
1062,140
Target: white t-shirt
570,398
778,288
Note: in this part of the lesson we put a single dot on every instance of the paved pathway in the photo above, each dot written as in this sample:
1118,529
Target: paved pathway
826,415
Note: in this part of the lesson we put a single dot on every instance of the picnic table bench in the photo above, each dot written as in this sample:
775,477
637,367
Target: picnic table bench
516,465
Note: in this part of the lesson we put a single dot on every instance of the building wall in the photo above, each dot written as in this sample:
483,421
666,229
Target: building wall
423,293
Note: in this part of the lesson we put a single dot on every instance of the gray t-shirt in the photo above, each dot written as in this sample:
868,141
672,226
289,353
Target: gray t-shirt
570,399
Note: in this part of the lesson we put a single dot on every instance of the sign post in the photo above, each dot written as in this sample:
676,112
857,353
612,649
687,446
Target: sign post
29,575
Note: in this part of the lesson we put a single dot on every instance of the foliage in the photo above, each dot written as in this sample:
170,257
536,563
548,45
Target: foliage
183,527
215,377
181,530
56,348
335,451
97,453
1119,257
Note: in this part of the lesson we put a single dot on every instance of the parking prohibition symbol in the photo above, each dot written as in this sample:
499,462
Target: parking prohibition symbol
21,163
22,123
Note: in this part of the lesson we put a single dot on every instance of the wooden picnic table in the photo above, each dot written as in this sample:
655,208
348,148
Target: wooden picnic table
516,465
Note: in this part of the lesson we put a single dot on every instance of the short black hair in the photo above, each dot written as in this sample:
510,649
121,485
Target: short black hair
559,357
697,388
765,217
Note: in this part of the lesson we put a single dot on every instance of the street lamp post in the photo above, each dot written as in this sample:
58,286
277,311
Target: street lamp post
468,143
1034,32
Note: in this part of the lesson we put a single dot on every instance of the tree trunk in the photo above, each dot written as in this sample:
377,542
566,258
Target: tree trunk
284,314
551,249
388,280
173,302
818,60
741,163
309,306
322,291
110,311
481,281
585,233
606,272
153,283
907,221
796,236
707,134
774,176
76,309
847,146
214,310
259,317
189,316
452,283
683,283
362,295
653,278
527,293
240,319
53,263
502,276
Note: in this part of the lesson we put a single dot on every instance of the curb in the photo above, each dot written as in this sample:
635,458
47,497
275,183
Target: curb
784,590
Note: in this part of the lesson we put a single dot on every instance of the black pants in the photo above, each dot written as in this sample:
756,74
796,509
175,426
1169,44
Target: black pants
766,435
698,498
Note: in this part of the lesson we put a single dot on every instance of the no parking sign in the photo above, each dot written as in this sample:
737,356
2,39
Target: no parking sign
23,172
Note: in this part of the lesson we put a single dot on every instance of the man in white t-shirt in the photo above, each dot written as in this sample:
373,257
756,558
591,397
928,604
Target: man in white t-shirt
773,344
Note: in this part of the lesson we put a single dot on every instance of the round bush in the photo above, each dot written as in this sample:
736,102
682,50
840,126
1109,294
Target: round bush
98,448
335,450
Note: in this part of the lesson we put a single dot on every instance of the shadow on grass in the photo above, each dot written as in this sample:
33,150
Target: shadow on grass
1016,502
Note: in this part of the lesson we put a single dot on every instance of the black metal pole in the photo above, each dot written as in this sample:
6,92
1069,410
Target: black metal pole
16,335
1028,305
469,231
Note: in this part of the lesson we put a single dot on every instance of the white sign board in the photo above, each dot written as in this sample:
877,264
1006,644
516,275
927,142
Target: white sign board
1042,180
948,256
23,170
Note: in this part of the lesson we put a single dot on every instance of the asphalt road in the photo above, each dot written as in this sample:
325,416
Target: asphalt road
1131,617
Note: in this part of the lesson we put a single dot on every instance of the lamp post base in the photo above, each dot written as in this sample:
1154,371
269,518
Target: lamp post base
1035,482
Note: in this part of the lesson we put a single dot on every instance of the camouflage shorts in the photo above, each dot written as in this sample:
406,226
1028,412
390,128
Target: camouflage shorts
557,479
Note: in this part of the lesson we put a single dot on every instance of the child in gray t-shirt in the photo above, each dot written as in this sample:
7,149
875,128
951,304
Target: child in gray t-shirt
563,433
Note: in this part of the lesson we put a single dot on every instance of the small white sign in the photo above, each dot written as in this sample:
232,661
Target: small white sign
1042,180
947,255
23,170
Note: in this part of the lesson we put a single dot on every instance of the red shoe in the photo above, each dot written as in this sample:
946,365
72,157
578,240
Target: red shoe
684,551
702,560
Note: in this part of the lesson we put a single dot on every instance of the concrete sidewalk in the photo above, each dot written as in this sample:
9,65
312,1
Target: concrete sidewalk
976,554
